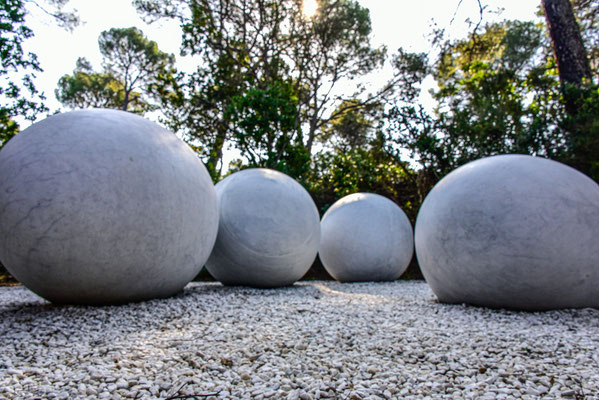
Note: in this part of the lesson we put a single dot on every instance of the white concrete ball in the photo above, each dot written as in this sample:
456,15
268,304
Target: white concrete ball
512,231
269,230
103,206
365,237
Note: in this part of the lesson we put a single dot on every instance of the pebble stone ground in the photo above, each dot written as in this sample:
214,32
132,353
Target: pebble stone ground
313,340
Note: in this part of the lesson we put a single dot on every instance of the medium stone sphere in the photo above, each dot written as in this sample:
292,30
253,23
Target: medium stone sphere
268,233
103,207
365,237
512,231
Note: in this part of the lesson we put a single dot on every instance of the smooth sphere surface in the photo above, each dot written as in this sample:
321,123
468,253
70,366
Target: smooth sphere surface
268,233
103,206
365,237
512,231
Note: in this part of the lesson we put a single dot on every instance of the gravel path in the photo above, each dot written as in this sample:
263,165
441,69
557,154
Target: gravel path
312,340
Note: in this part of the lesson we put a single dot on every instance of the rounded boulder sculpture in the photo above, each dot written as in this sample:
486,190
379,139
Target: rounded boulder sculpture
103,207
365,237
512,231
268,233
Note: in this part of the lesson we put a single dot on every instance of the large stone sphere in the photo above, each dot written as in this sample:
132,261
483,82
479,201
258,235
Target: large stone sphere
512,231
365,237
268,233
102,207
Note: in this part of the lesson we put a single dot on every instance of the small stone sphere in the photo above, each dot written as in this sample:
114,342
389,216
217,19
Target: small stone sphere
365,237
268,232
103,207
512,231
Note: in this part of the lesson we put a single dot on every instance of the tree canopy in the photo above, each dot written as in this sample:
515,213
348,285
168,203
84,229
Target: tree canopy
19,96
499,91
267,50
132,66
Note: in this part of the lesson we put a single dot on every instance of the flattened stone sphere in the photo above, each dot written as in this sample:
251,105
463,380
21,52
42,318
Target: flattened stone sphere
512,231
365,237
103,206
268,232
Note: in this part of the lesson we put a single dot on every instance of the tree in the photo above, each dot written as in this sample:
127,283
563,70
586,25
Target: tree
263,121
255,45
496,95
568,47
14,102
132,66
500,90
587,16
328,50
575,74
86,88
371,168
239,46
133,59
18,94
351,125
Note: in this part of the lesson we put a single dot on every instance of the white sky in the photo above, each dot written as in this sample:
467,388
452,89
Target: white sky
396,23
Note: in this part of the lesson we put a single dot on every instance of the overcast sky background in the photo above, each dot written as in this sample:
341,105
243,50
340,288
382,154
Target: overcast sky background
396,23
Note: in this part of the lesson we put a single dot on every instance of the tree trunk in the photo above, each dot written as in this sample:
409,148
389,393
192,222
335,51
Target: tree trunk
576,78
572,62
126,101
215,157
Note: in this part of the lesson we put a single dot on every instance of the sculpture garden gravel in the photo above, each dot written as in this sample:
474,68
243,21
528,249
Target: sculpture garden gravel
313,340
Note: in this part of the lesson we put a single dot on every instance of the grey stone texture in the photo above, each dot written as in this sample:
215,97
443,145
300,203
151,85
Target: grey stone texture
365,237
102,207
512,231
269,230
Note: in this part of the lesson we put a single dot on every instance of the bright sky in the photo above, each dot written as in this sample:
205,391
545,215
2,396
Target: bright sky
396,23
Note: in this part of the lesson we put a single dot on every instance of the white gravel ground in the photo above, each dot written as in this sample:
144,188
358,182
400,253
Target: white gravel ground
312,340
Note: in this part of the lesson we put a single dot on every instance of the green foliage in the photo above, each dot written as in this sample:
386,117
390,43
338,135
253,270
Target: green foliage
351,125
8,128
263,123
332,48
231,40
584,129
134,60
259,114
497,94
486,84
134,68
371,168
587,16
86,88
506,46
258,56
195,106
18,95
